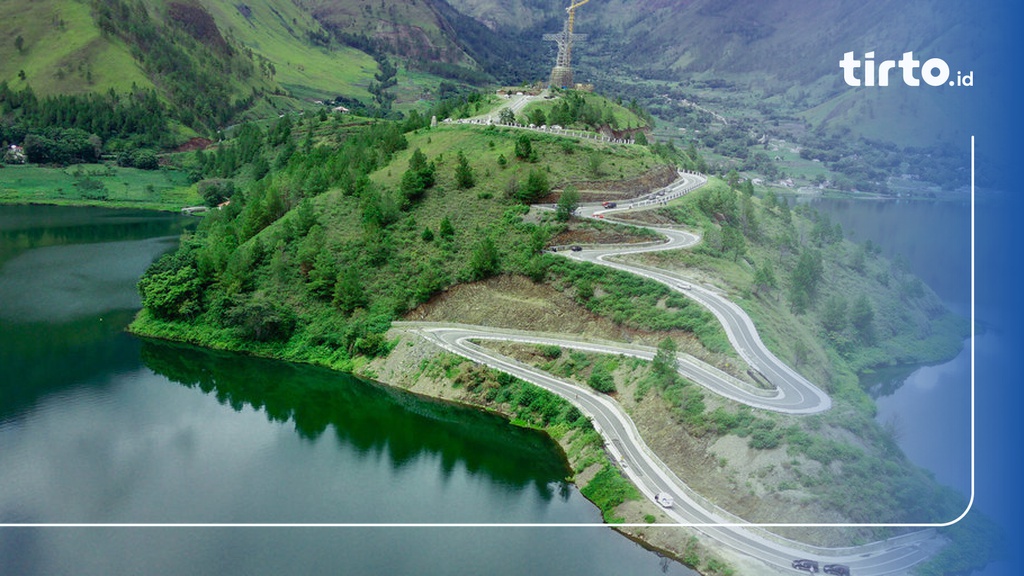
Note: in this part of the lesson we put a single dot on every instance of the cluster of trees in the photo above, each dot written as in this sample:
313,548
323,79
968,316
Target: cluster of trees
524,149
721,205
573,108
734,222
143,159
250,146
464,175
383,81
805,280
866,165
235,277
838,314
568,202
62,146
534,188
419,177
56,127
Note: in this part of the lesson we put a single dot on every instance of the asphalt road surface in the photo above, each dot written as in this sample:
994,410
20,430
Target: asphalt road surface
791,393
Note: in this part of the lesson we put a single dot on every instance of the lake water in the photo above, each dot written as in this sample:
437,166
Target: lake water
97,426
929,405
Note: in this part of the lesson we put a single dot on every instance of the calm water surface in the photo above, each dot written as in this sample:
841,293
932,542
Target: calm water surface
97,426
929,406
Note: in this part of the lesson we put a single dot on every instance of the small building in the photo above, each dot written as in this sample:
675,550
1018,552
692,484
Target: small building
14,155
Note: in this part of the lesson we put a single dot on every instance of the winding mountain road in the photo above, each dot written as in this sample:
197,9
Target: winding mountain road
791,394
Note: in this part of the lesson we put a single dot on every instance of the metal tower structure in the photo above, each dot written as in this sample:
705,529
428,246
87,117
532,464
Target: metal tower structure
561,74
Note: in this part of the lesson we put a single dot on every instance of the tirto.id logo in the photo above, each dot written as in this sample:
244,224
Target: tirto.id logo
934,71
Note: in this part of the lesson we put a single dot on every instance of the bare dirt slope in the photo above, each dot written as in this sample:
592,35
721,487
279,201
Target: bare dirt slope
518,303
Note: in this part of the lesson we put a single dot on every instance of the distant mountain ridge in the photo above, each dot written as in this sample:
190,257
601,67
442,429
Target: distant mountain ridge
252,51
795,41
783,54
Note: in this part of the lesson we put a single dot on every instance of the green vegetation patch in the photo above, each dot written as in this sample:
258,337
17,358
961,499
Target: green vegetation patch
299,53
827,306
63,51
608,489
637,302
502,172
97,185
584,110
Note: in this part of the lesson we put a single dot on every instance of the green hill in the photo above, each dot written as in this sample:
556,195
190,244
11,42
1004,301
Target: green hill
354,225
214,62
62,50
307,62
413,29
338,229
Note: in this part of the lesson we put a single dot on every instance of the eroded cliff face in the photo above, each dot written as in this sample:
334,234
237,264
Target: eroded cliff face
415,30
620,189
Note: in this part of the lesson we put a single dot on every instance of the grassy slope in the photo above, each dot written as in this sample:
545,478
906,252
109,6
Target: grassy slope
56,57
896,115
482,148
506,13
65,53
125,187
278,30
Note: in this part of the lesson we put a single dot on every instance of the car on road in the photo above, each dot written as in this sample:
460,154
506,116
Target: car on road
836,569
576,248
806,565
664,499
609,204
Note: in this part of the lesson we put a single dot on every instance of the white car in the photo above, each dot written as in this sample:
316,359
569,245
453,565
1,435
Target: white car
664,499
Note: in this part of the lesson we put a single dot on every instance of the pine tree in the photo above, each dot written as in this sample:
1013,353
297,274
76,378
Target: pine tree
568,201
524,149
764,278
464,178
446,230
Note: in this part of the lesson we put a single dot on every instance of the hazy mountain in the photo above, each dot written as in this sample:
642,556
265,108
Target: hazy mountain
779,53
239,54
781,39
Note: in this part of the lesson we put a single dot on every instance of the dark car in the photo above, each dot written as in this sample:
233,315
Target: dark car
576,248
804,564
836,569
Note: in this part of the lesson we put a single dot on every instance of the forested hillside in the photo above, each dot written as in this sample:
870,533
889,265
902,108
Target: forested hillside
336,228
213,63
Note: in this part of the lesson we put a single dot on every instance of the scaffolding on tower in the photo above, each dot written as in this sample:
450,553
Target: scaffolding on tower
561,74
